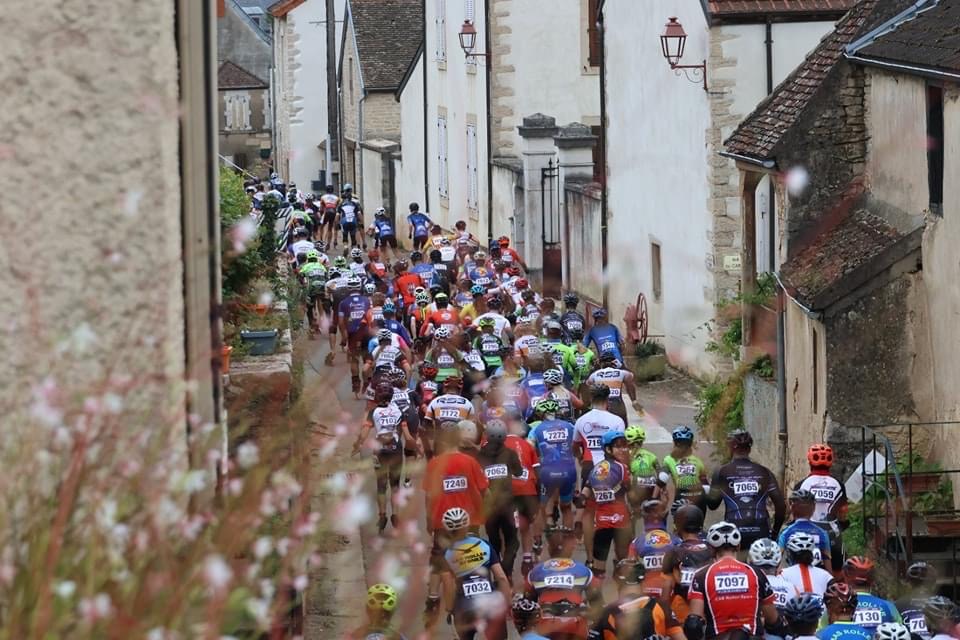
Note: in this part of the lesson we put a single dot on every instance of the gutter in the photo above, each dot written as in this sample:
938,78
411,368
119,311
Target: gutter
604,199
920,71
763,164
426,121
489,67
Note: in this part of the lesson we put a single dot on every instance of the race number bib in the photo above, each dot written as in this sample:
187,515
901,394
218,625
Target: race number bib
780,598
496,471
454,484
445,361
477,588
357,314
574,325
746,487
824,494
603,496
653,563
686,576
451,414
917,625
555,436
614,392
865,617
607,345
646,481
525,475
594,442
730,583
580,360
561,581
686,469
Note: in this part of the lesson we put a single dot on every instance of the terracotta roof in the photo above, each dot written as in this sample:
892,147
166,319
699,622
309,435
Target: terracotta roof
388,34
231,76
761,131
283,7
928,38
729,8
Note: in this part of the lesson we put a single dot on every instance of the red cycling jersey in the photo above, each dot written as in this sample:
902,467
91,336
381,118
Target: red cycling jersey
732,594
439,318
406,284
525,485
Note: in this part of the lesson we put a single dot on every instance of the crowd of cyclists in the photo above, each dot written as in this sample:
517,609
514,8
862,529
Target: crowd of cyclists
518,406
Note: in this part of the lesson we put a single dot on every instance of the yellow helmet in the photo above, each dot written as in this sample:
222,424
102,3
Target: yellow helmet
382,596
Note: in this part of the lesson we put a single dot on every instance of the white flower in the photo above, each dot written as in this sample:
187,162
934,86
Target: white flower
300,582
107,513
194,481
65,589
259,608
353,512
247,455
113,403
217,572
82,338
262,547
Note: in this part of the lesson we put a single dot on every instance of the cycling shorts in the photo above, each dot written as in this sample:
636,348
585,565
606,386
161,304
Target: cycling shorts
560,479
602,539
357,341
388,465
390,241
349,227
526,506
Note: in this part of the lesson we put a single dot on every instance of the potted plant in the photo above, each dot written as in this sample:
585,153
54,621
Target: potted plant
917,475
648,362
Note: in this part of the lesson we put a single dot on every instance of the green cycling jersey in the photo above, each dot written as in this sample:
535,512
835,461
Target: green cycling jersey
644,465
579,364
687,473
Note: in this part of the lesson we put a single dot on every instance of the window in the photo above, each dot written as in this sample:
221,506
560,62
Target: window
267,110
441,23
935,148
442,156
656,271
593,34
473,189
237,110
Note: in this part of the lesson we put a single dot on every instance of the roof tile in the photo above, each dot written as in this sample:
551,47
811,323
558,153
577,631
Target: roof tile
232,76
388,35
733,8
931,39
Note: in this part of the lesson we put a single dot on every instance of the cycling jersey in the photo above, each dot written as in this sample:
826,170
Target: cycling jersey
490,412
532,388
807,579
561,586
424,270
384,228
387,428
650,549
733,593
420,223
449,408
500,324
644,467
471,561
525,484
913,619
480,275
687,473
590,429
564,398
387,356
641,617
872,611
802,525
553,440
580,365
689,556
446,361
572,322
489,346
844,631
328,205
500,467
427,390
300,248
830,496
610,377
353,310
745,487
398,329
609,481
349,210
606,339
460,300
783,590
454,479
441,318
524,346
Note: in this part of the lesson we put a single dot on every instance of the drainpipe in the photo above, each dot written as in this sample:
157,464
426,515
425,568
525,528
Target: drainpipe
603,153
771,200
360,135
426,120
489,70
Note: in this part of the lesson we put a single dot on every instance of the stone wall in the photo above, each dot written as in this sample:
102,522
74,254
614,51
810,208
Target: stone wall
381,117
505,119
760,418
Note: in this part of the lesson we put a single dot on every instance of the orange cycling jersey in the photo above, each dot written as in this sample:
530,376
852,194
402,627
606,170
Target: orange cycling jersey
406,285
441,318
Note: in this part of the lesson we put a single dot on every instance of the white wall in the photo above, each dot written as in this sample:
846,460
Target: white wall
371,194
411,172
462,93
657,163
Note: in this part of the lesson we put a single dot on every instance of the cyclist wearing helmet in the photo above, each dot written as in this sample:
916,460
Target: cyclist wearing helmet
389,426
382,601
941,617
554,442
462,297
500,464
444,316
420,224
858,572
745,488
830,513
501,326
354,326
450,406
553,343
571,319
634,614
532,387
765,554
603,336
477,306
314,277
382,229
801,571
802,504
489,346
569,403
474,582
729,598
526,617
390,322
612,374
892,631
580,365
803,614
526,487
509,254
445,354
649,549
682,561
644,466
840,601
301,245
921,579
337,291
687,470
605,491
417,319
350,216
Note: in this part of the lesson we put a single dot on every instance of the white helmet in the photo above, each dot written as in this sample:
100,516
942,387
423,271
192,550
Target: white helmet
369,288
442,333
891,631
468,431
354,283
765,553
723,534
801,541
384,334
553,376
356,253
480,255
455,518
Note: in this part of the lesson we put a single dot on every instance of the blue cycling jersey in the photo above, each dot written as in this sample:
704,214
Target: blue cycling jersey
420,223
872,611
844,631
384,227
553,440
806,526
606,338
532,388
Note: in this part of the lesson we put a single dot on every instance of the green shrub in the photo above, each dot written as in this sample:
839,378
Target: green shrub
647,349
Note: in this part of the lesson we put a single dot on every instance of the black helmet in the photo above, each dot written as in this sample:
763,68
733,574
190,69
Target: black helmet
690,518
740,439
414,206
629,571
801,495
571,299
416,255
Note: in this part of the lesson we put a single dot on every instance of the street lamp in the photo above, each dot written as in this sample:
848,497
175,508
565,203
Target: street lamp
673,42
468,40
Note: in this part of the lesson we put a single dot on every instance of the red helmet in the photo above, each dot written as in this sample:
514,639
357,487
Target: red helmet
513,271
820,455
858,570
503,241
428,370
373,254
522,283
453,382
841,593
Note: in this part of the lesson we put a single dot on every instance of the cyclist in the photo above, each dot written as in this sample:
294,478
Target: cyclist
571,319
390,322
489,345
337,291
801,571
314,276
830,513
452,479
634,614
802,505
532,386
474,583
687,470
444,316
525,490
552,342
603,336
612,374
605,491
892,631
649,549
745,487
301,245
765,554
840,601
872,610
382,601
682,561
554,441
563,587
644,467
389,425
500,464
922,583
449,406
386,235
802,614
941,617
501,326
510,255
569,403
445,354
353,324
580,366
419,226
329,203
526,617
350,216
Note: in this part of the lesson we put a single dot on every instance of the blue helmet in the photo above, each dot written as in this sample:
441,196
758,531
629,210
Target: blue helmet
682,433
610,436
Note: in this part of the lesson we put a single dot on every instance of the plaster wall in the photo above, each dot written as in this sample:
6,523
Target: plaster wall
118,310
371,194
805,350
508,204
583,218
411,172
240,42
760,415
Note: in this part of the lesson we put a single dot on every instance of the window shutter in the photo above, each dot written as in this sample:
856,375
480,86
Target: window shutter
473,192
441,23
593,34
228,112
470,11
442,156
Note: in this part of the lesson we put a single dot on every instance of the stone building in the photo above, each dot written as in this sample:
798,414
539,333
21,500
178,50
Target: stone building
673,206
245,118
867,259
